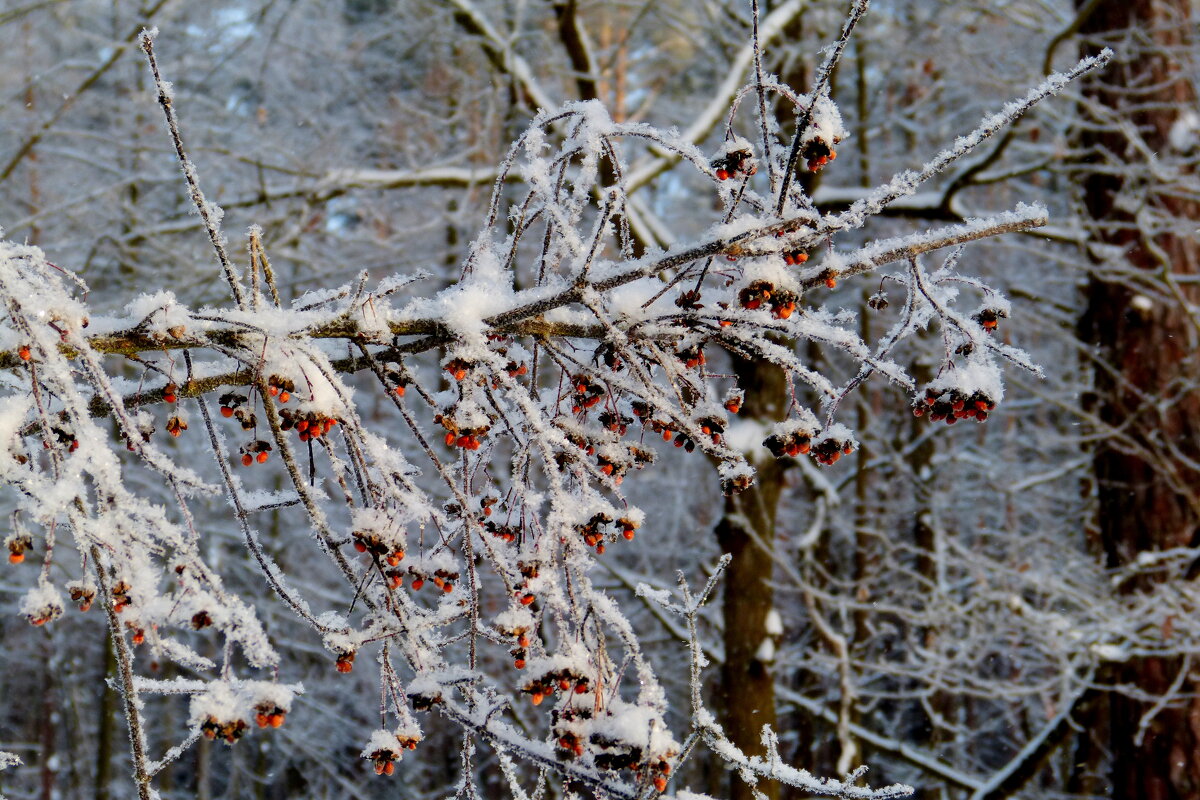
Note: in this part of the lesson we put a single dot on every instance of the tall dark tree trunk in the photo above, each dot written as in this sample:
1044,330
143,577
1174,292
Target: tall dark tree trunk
1148,378
747,532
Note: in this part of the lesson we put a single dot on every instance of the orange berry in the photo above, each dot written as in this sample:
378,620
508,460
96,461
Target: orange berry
389,768
247,460
448,587
399,390
660,784
417,584
527,599
226,412
16,558
263,456
261,720
276,720
537,698
519,663
344,666
284,397
628,534
379,767
831,282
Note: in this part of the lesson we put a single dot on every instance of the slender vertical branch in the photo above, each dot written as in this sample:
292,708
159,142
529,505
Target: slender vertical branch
209,213
857,9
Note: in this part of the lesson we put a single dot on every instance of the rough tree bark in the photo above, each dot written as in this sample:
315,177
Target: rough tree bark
747,532
1148,373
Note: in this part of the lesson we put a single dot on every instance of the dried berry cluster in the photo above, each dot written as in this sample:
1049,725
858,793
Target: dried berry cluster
951,405
308,425
817,153
733,164
781,302
229,730
800,437
18,544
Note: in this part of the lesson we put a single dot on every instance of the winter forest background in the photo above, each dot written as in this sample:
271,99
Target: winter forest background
507,253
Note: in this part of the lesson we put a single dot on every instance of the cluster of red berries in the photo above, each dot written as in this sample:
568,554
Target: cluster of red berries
312,425
17,544
544,685
799,439
458,436
616,754
641,410
47,612
520,635
120,596
829,449
231,731
370,542
585,393
782,302
233,404
176,425
712,427
692,356
280,387
794,258
384,761
739,162
794,441
257,451
441,578
602,527
521,591
950,406
345,661
506,533
817,153
269,715
82,595
458,368
617,423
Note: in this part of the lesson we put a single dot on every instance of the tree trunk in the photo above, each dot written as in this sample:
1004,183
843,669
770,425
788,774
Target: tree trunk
1146,381
747,532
